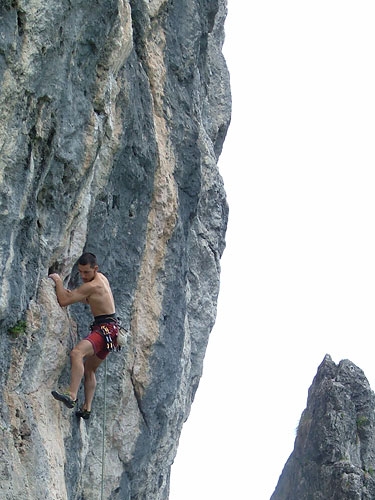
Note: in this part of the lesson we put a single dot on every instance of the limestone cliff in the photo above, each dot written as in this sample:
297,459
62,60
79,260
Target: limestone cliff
334,451
113,116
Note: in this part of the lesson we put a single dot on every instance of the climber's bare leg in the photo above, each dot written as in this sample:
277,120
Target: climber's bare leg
91,365
82,350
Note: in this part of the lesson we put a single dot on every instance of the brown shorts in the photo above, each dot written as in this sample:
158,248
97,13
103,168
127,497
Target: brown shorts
98,341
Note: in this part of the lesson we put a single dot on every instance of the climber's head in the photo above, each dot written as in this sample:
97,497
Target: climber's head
87,267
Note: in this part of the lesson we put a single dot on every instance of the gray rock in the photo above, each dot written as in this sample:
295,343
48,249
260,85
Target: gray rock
113,116
334,451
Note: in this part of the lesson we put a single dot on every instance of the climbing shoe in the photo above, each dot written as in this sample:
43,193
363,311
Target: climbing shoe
82,413
65,398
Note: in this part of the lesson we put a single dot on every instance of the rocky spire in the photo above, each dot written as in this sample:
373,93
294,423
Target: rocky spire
334,451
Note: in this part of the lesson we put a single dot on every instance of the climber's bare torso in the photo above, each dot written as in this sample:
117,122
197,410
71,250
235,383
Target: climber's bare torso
94,291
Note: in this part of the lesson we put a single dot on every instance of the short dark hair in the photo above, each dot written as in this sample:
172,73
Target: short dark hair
88,258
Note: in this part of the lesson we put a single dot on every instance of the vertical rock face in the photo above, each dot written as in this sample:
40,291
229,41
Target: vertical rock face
334,452
113,116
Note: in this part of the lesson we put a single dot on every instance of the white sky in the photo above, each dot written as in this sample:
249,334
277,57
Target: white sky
298,273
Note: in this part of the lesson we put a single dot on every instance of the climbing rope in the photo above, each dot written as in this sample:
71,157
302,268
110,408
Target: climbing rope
103,432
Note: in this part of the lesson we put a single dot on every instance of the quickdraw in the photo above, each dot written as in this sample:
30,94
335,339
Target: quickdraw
110,346
120,340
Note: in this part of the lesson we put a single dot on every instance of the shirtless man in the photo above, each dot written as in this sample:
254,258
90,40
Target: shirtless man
89,353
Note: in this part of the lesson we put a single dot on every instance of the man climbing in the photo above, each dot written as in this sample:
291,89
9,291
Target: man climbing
89,353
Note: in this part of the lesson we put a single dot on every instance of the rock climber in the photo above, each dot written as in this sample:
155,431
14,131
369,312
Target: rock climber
89,353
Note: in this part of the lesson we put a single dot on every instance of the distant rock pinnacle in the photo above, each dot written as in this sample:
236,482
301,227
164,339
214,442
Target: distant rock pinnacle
334,451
